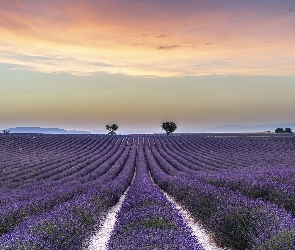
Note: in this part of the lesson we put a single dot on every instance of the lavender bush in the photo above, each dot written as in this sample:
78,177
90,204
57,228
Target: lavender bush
147,220
237,221
55,189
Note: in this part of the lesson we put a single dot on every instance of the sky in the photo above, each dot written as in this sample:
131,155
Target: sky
199,63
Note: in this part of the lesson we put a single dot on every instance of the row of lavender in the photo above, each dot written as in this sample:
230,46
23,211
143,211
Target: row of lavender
19,167
274,183
54,189
147,220
37,199
229,207
71,170
61,203
228,152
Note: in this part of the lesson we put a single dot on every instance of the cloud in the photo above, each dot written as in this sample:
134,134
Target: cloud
162,35
169,47
120,37
291,10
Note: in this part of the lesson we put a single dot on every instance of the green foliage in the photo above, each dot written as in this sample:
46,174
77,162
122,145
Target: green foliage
281,240
155,223
147,204
234,228
169,127
288,130
281,130
48,228
7,225
86,217
112,128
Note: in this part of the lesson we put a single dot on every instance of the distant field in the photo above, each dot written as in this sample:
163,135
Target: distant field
56,189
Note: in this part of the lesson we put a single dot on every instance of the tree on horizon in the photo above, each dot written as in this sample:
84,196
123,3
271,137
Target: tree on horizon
281,130
112,128
169,127
288,130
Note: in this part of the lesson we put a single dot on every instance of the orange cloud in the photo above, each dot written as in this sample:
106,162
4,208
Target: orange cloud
154,38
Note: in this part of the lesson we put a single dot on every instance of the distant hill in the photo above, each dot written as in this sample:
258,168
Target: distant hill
45,130
245,129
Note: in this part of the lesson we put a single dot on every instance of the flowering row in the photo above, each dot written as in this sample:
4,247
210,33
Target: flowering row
30,169
65,215
147,220
236,221
54,189
222,152
67,225
269,185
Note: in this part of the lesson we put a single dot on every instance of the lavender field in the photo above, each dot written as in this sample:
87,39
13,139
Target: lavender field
56,190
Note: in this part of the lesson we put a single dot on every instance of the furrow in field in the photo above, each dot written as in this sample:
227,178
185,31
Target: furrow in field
198,230
100,239
204,238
